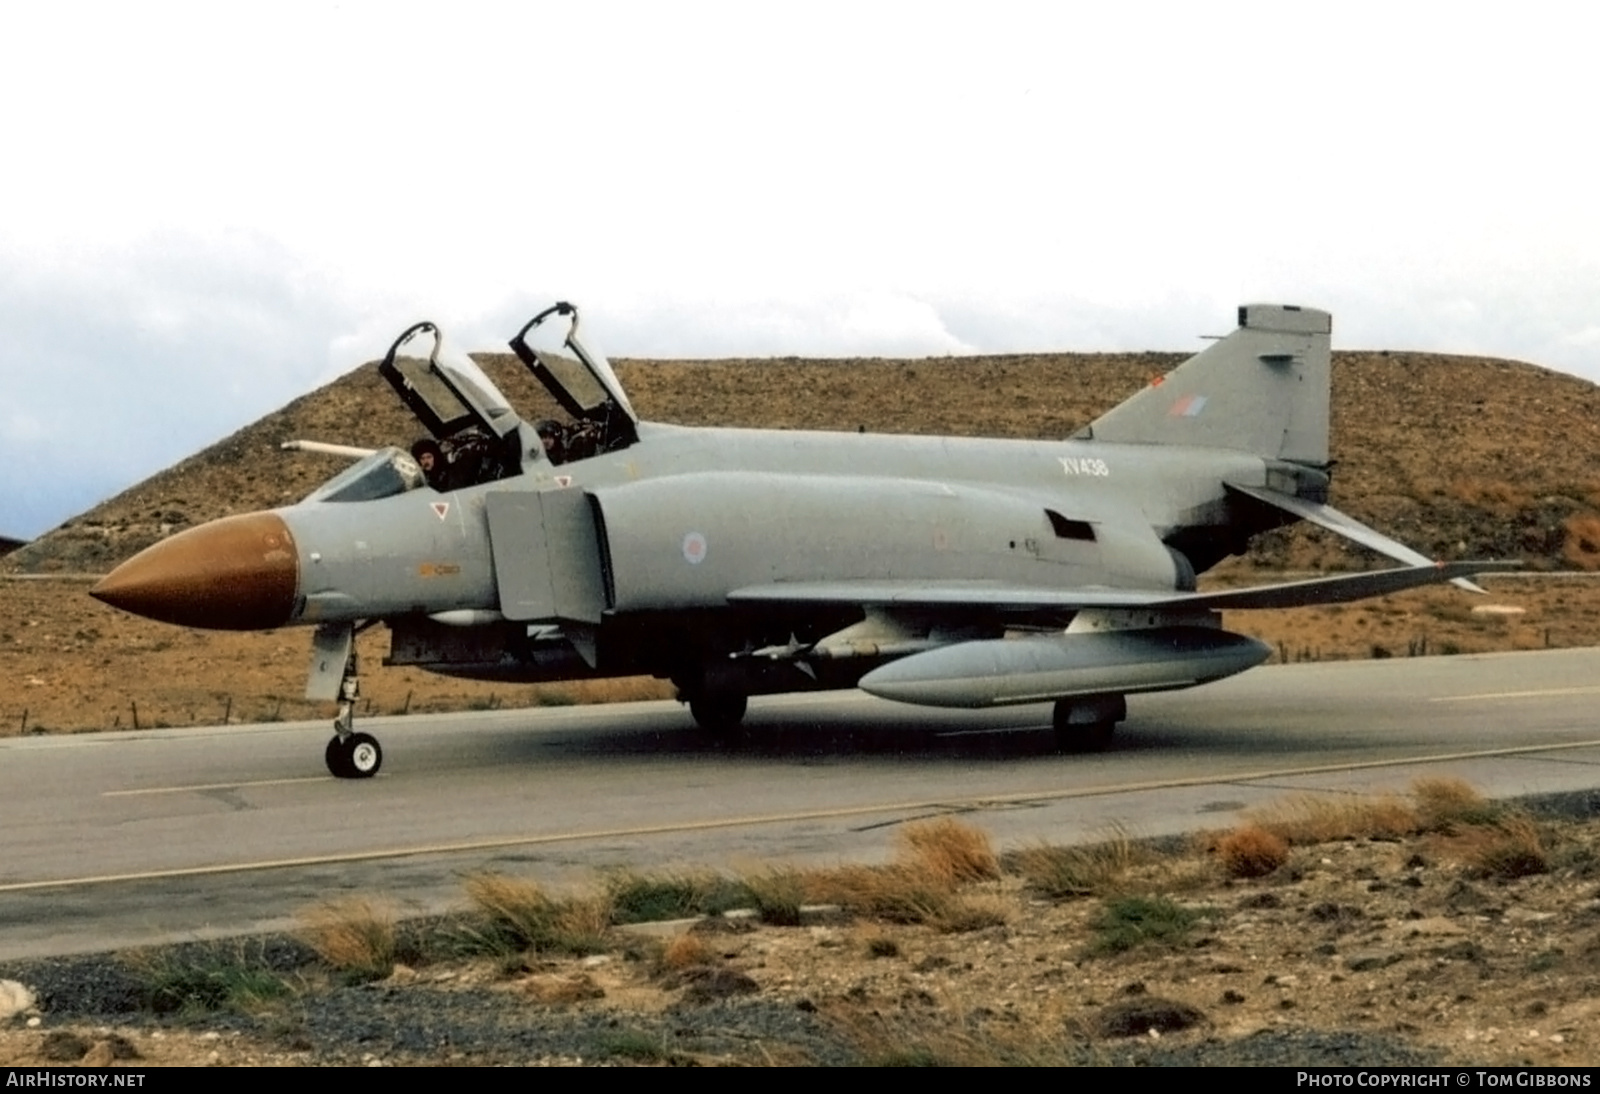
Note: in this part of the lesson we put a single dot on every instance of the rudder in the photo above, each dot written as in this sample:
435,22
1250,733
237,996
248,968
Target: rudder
1264,389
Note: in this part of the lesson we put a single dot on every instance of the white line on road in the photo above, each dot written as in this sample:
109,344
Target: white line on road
1589,690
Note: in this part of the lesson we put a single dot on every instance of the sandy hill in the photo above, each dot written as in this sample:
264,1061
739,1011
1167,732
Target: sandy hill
1460,457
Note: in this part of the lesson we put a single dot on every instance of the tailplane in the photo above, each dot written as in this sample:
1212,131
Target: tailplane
1263,389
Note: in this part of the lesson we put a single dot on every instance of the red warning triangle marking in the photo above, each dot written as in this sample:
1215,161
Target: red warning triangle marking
440,508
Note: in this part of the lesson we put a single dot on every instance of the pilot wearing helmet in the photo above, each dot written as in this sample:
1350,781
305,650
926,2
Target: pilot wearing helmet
431,458
554,436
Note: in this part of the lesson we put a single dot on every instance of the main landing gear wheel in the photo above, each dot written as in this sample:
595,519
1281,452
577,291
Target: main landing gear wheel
358,756
1087,724
719,713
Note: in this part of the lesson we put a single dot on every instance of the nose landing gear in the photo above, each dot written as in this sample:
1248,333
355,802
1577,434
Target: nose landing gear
351,755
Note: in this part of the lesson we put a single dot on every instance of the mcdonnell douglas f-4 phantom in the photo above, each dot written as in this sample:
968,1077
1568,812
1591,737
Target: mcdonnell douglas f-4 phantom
944,571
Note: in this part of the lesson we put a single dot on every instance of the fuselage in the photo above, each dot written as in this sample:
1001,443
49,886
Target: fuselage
653,537
424,552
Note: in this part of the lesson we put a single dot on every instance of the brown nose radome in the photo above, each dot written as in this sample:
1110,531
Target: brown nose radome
236,574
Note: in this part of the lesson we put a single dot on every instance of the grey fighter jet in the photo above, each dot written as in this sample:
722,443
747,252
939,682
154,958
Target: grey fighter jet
935,570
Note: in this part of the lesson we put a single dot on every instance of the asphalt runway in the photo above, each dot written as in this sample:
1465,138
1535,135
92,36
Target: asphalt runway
112,840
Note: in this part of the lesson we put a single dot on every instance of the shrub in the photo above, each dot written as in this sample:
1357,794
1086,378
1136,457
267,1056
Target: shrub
685,951
1251,851
1508,849
202,979
1138,920
642,898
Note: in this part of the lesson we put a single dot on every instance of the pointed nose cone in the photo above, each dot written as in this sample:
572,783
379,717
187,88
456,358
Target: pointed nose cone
237,574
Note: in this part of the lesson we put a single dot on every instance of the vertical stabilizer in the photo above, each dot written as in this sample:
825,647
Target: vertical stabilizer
1263,390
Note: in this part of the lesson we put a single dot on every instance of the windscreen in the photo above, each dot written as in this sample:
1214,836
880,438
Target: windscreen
386,472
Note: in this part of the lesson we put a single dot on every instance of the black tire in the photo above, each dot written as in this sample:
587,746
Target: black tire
1092,737
1087,736
719,714
364,756
337,757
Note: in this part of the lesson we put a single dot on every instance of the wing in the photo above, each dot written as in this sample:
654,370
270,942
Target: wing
1162,645
1028,599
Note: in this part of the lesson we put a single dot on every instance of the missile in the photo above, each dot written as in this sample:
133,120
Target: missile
1003,671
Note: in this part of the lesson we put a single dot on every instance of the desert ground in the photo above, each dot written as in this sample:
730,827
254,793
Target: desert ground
1434,928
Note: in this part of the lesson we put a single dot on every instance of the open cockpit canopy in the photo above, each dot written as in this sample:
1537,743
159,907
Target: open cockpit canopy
444,388
577,376
480,437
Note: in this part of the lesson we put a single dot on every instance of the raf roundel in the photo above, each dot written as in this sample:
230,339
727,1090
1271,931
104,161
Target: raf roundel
694,548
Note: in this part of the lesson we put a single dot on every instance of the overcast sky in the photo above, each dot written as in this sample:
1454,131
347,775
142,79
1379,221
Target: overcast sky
208,209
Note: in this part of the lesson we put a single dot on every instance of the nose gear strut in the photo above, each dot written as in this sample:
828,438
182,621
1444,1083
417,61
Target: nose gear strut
351,755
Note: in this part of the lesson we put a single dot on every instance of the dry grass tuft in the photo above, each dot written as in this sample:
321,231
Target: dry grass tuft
514,902
1310,819
934,859
685,951
970,912
1445,804
646,898
1510,848
522,917
777,894
947,849
1251,851
1095,869
897,893
354,936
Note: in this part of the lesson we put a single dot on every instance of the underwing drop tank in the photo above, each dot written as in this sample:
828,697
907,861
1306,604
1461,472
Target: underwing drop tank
1039,668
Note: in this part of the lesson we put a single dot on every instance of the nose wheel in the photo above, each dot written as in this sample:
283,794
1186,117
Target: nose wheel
351,755
356,756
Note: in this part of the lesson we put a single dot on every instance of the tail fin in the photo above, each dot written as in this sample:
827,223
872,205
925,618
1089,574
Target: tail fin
1263,390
